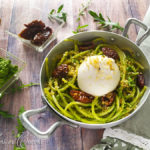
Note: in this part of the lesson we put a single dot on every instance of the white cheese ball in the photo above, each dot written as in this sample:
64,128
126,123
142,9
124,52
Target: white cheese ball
98,75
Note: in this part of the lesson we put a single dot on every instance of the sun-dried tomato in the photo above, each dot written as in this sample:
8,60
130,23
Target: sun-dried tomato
108,99
81,96
41,37
110,53
86,46
60,71
140,80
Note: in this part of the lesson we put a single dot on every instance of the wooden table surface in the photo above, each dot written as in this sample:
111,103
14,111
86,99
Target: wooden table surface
65,138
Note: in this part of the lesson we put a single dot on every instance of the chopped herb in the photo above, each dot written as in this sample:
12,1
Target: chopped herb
58,15
78,29
105,23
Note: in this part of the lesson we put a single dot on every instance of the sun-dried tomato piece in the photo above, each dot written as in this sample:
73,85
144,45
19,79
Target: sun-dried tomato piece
86,46
41,37
81,96
35,23
60,71
140,80
108,99
110,53
32,29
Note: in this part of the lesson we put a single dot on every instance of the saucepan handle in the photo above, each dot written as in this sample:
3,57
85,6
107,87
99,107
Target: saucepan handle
139,23
29,126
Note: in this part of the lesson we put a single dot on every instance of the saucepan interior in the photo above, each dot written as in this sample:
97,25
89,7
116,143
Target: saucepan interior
111,38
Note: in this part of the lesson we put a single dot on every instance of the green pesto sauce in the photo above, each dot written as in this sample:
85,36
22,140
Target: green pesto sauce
7,70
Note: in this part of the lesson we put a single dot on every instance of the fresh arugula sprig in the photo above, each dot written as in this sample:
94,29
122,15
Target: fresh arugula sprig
105,23
80,29
83,9
20,131
59,15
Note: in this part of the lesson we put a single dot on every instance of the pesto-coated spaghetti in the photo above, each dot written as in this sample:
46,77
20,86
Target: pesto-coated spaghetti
127,93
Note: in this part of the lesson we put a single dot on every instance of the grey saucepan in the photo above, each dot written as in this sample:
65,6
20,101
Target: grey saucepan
112,38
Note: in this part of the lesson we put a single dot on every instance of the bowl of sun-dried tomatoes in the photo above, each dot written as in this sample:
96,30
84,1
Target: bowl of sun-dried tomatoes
33,28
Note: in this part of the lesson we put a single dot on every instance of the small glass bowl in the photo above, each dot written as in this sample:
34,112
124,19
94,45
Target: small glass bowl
14,61
27,16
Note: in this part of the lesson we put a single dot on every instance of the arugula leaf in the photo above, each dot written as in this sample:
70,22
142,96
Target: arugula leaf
60,8
80,27
93,14
5,114
22,86
23,147
20,127
105,23
20,130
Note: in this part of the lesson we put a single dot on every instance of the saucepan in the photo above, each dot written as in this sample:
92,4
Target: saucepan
112,38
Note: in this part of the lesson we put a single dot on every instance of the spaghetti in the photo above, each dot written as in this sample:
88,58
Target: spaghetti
128,93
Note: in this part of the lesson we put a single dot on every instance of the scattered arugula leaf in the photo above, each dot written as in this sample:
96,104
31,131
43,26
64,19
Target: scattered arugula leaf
78,29
23,147
5,114
20,131
105,23
20,127
59,15
22,86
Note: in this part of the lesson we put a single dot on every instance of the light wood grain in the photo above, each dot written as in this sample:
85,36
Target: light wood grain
65,138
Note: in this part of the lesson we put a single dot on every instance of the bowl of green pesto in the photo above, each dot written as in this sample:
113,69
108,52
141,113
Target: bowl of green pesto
10,66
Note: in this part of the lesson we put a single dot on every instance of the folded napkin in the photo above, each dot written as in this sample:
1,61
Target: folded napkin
134,134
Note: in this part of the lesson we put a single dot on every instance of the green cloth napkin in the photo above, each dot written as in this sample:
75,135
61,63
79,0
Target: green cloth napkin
134,134
109,143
